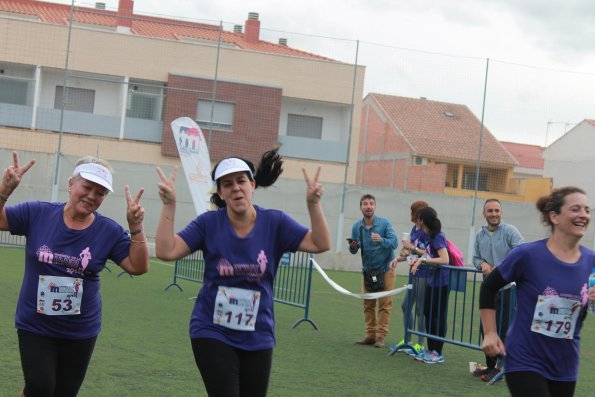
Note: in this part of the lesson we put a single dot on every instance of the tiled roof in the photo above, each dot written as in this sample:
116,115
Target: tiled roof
443,131
142,25
528,156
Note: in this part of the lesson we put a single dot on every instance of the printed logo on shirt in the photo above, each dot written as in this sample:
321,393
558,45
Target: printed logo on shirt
253,272
73,264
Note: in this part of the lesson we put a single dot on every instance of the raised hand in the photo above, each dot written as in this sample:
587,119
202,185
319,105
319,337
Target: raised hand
314,190
135,213
167,192
13,174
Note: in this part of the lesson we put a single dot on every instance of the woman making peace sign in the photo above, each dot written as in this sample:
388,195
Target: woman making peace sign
232,324
58,313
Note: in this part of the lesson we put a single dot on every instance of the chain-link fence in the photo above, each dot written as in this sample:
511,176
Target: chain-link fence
78,80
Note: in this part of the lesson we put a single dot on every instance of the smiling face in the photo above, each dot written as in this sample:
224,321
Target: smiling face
574,216
85,196
236,190
492,212
368,206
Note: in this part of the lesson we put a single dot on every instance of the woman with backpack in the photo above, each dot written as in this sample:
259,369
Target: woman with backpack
436,293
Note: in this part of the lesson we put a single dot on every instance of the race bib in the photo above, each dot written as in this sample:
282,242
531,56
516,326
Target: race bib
59,296
236,308
555,316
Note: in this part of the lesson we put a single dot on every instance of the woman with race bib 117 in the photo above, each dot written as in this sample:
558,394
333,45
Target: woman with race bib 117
232,324
541,355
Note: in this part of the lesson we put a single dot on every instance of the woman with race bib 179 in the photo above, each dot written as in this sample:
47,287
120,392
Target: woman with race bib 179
541,355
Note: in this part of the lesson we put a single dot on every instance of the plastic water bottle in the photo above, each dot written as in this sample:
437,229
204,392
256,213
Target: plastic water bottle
591,284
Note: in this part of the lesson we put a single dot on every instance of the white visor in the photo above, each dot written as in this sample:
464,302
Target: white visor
231,165
95,173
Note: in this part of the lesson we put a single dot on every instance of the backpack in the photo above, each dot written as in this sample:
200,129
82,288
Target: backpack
455,256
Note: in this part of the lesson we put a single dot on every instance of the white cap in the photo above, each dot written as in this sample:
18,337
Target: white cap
231,165
95,173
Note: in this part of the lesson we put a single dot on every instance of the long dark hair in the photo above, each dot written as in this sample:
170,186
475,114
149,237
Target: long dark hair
269,169
429,217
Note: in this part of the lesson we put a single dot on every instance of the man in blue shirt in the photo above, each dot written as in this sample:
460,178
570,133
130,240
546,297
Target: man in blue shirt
492,243
376,240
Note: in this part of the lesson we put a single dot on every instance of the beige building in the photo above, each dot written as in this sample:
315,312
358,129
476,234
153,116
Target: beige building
128,76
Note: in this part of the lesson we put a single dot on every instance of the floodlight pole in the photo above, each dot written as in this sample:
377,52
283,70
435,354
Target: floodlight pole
341,218
483,106
54,196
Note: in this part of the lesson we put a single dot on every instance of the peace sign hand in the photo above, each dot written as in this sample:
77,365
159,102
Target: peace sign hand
135,213
167,192
315,189
13,174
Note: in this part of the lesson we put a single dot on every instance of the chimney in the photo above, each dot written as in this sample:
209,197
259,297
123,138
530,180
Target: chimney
99,6
237,29
124,21
252,33
282,41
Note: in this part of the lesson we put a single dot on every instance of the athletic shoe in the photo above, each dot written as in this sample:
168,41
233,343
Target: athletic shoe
480,371
430,357
416,351
490,373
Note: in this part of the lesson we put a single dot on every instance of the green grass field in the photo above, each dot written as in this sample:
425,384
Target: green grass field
144,349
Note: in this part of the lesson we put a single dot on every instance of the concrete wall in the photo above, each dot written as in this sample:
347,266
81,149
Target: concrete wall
288,195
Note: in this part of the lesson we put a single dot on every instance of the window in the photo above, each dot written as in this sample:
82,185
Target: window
304,126
222,115
145,100
469,181
14,90
76,99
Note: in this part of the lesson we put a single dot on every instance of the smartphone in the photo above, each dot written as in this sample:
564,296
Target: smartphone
350,241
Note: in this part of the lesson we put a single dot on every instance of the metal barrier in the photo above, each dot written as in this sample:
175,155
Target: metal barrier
462,311
292,284
8,239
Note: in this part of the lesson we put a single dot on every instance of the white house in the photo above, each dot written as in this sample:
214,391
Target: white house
570,160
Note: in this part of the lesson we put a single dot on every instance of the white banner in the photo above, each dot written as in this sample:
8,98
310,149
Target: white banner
368,295
194,154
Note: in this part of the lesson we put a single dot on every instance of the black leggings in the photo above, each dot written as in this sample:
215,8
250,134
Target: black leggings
503,311
521,384
230,372
53,367
436,302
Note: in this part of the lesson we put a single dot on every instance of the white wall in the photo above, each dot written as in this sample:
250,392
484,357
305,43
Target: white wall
107,94
335,117
570,160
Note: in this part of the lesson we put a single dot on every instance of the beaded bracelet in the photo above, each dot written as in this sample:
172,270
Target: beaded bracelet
135,232
138,241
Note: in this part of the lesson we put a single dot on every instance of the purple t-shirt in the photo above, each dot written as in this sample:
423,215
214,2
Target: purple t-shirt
436,277
249,263
537,272
53,249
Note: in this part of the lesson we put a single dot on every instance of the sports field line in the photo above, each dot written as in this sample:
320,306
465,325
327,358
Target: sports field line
160,262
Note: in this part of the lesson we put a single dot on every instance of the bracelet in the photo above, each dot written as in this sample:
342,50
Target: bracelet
138,241
3,197
135,232
168,218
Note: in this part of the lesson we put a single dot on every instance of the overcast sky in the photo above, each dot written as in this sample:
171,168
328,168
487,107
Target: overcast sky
541,75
